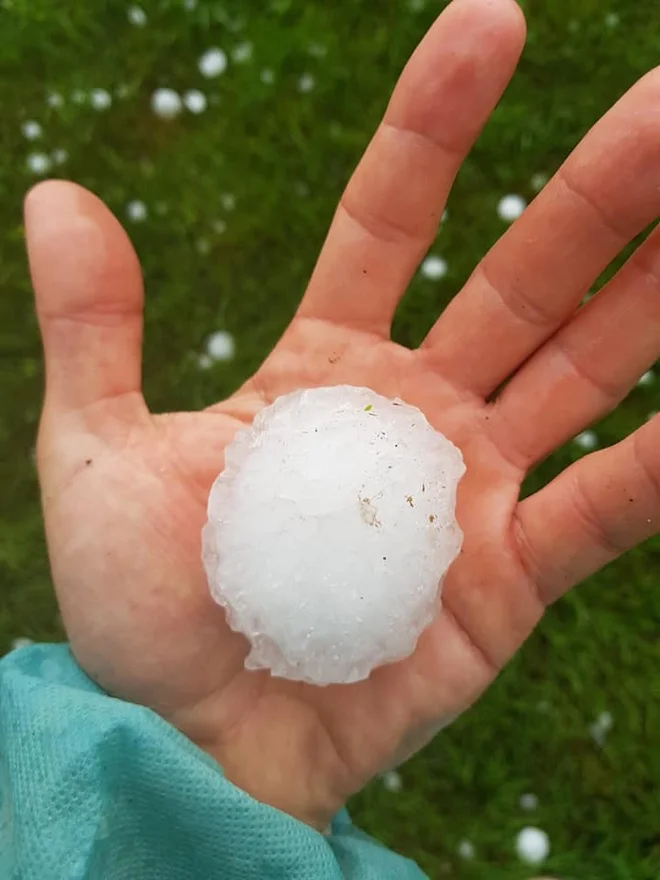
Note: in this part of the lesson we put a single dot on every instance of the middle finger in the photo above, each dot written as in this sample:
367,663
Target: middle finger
534,278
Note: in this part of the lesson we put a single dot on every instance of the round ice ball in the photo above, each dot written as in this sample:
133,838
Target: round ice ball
533,846
330,530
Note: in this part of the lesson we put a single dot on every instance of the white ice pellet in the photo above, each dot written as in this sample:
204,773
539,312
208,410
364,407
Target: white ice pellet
267,76
21,643
212,63
587,440
39,163
647,379
612,19
221,346
54,99
136,211
195,101
466,850
601,727
242,53
317,50
529,802
511,207
204,361
228,201
533,846
433,268
100,99
32,130
137,16
538,181
330,531
306,83
392,781
59,156
166,103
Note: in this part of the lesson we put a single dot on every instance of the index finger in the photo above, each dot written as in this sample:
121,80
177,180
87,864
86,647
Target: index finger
389,213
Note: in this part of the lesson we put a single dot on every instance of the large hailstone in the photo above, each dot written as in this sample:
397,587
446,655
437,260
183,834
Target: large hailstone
330,530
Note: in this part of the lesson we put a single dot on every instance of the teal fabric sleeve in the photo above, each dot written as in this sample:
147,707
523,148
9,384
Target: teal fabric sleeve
93,787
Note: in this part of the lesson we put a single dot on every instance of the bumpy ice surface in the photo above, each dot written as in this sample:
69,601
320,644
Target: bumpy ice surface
330,530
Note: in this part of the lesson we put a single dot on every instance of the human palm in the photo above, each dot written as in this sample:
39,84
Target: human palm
512,368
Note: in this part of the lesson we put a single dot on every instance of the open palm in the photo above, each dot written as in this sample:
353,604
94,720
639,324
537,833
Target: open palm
125,492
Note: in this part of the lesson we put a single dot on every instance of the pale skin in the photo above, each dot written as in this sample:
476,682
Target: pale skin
124,490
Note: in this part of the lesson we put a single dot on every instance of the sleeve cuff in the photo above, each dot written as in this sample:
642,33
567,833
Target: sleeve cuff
91,786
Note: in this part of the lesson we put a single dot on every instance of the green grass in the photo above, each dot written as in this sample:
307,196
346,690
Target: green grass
285,156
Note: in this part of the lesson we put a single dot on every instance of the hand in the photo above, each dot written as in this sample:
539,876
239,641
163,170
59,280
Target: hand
124,491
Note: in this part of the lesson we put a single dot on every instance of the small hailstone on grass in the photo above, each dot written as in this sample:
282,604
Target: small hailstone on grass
137,16
529,802
466,850
100,99
136,211
204,361
39,163
511,207
601,727
59,156
612,19
306,83
219,227
538,181
533,846
212,63
21,643
195,101
166,103
392,781
317,50
189,4
647,379
330,531
433,268
586,440
228,201
242,53
221,346
32,130
267,76
54,99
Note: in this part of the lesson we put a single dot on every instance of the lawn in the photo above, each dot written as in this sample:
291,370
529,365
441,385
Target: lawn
232,206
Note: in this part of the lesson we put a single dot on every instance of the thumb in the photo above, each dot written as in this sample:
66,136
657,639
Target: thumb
89,298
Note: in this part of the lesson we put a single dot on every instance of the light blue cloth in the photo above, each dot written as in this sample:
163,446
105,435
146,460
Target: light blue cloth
92,787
